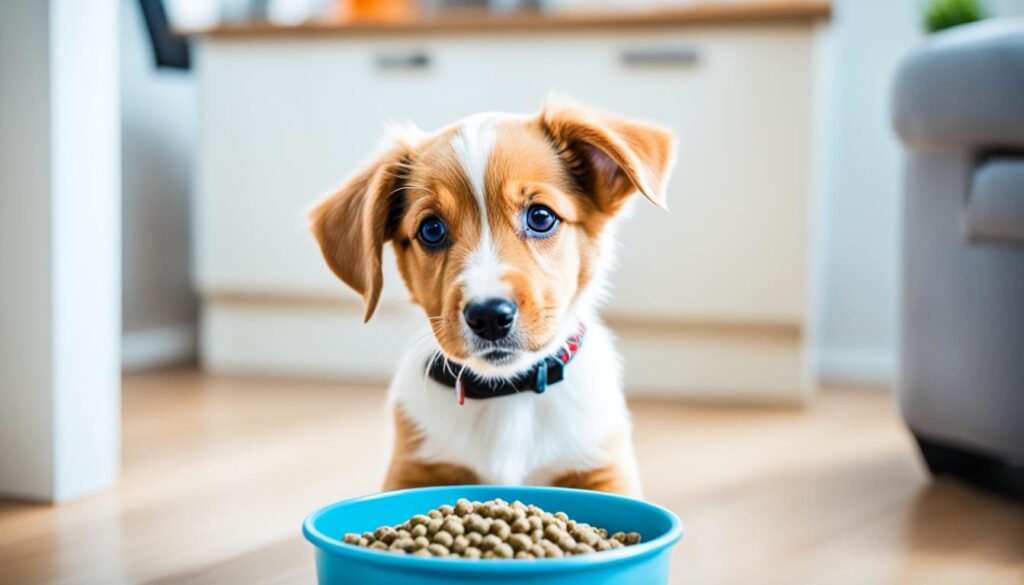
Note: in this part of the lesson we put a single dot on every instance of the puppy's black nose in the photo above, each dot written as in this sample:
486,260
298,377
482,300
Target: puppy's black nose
490,319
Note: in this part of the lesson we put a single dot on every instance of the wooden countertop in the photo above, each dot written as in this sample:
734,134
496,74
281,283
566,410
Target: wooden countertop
698,13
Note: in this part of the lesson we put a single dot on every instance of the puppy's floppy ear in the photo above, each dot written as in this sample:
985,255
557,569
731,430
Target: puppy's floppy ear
610,157
352,224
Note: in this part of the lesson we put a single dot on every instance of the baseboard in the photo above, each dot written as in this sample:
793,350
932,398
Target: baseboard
310,340
158,347
869,368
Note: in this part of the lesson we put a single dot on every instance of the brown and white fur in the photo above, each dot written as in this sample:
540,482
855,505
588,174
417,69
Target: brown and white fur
479,176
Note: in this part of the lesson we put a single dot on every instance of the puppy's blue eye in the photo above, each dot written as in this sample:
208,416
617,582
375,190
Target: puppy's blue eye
540,221
432,232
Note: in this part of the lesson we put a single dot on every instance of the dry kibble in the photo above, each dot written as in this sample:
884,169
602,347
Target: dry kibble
551,549
386,534
520,542
501,529
584,535
535,521
407,544
476,523
444,539
520,525
491,530
438,550
454,526
489,542
463,508
504,551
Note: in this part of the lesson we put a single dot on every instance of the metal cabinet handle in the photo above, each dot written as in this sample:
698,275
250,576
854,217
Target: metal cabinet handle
662,56
403,60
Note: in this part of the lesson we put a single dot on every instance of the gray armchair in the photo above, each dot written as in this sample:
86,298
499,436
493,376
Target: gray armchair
959,110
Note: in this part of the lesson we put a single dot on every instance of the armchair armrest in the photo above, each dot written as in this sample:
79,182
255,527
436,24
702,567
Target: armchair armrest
964,89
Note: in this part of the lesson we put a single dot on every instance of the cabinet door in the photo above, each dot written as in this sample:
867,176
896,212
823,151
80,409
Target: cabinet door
285,120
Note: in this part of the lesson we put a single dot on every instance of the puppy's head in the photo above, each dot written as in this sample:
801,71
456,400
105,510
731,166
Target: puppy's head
496,224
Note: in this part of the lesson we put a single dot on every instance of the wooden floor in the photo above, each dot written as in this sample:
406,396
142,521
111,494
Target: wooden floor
219,473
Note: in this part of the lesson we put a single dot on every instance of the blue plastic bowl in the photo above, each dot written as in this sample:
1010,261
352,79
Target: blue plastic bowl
645,563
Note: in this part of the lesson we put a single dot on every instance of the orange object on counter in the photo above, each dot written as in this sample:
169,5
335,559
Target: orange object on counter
362,10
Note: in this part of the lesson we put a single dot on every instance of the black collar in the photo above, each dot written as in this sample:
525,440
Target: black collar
548,371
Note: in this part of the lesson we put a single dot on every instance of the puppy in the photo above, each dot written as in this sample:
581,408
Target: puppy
502,226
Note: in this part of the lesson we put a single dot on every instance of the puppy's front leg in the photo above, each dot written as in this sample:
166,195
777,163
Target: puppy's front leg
612,479
619,476
403,474
406,471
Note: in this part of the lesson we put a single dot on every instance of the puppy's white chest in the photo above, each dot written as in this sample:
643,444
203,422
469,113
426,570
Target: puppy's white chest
526,438
503,439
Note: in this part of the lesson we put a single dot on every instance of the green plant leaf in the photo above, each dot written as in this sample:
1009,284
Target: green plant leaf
943,14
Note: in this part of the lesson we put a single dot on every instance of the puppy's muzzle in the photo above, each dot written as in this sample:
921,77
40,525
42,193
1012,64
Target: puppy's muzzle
490,319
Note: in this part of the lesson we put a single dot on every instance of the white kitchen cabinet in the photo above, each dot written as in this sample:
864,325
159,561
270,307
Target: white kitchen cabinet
717,287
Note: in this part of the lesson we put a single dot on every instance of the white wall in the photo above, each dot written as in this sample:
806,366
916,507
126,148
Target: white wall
860,182
159,120
60,248
25,376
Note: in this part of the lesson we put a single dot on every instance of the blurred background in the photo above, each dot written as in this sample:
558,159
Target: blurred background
835,293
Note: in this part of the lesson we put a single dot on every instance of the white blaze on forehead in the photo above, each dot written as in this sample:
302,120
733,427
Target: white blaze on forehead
473,146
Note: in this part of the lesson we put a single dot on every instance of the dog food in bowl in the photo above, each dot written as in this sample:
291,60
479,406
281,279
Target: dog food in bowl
645,563
491,530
